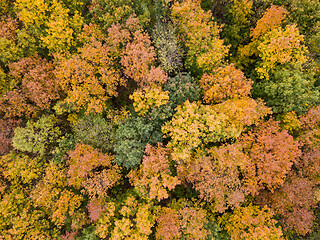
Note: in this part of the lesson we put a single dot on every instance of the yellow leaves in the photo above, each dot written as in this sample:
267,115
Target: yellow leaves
200,35
281,47
60,28
18,168
252,223
243,112
273,44
290,122
51,23
240,10
134,220
148,98
32,13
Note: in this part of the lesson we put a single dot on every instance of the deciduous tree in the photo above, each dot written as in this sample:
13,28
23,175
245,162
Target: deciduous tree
205,49
83,171
224,83
252,223
272,152
154,179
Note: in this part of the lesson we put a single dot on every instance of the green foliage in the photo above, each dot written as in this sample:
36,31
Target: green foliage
37,137
238,27
131,138
304,13
66,143
167,47
288,90
94,130
182,87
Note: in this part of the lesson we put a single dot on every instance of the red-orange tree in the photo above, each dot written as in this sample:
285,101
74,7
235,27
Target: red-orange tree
154,179
83,164
272,153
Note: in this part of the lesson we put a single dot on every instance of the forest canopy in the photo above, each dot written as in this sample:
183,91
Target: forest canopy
160,119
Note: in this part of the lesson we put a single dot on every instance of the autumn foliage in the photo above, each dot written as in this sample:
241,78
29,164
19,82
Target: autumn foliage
159,119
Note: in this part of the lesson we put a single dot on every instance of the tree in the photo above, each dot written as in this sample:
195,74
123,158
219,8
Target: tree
182,220
154,179
271,19
49,23
130,140
148,98
139,55
251,223
195,124
34,88
89,78
8,38
7,127
106,13
127,218
205,50
37,137
236,31
94,130
215,174
287,91
83,171
272,45
272,152
223,83
182,87
293,202
167,47
60,203
19,218
242,112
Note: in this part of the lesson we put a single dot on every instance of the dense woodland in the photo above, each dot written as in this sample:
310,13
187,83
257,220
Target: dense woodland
160,119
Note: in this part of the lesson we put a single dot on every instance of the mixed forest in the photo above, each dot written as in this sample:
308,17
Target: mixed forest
160,119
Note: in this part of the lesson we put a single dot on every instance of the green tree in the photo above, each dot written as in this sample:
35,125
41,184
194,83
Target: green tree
37,137
287,91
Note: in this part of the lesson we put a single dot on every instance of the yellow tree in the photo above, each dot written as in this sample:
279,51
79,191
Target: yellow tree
205,50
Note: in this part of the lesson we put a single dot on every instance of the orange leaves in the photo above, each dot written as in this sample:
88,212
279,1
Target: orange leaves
215,174
168,224
88,78
181,220
223,83
272,18
293,202
139,55
154,179
36,88
272,152
84,160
